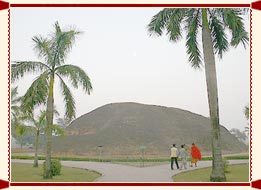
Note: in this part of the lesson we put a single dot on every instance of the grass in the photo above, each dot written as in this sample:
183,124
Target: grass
27,173
236,173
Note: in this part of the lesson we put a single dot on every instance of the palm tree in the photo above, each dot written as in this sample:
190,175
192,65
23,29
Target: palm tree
246,112
14,101
53,52
38,125
17,117
213,23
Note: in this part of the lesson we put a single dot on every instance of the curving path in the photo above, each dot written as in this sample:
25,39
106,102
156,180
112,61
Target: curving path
123,173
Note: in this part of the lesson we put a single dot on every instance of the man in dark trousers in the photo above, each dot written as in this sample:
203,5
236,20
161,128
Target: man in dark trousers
174,156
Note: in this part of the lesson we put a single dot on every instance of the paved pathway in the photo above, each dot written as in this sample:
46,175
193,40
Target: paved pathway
123,173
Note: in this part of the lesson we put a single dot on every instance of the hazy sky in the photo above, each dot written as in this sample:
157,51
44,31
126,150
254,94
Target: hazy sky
125,64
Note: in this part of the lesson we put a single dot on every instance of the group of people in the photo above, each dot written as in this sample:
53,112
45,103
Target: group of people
183,154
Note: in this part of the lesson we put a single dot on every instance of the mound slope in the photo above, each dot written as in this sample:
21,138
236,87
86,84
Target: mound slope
127,129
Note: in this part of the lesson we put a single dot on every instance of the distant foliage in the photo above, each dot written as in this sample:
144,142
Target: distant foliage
240,135
56,167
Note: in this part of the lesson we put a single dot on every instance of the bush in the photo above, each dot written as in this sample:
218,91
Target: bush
225,166
56,167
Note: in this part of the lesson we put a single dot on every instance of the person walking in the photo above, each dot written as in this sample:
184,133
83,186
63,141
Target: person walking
174,156
195,155
183,155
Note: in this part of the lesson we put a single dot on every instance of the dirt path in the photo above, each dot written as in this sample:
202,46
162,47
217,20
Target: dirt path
123,173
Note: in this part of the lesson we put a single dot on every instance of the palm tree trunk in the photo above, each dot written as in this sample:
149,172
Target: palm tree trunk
36,148
217,173
49,118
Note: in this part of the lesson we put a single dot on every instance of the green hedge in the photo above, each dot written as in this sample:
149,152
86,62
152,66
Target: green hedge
121,159
56,167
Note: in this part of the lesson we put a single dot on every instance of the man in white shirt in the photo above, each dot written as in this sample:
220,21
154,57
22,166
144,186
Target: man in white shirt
174,156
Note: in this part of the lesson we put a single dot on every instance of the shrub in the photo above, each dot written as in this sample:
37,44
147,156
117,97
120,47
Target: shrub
56,167
225,165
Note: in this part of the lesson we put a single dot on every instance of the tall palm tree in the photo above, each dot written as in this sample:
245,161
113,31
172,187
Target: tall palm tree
213,23
53,52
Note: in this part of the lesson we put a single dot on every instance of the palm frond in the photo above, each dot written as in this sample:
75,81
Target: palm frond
21,68
173,26
58,130
14,92
57,28
20,130
219,36
36,94
14,96
69,100
42,47
14,110
76,75
246,112
192,26
42,118
233,19
159,22
62,42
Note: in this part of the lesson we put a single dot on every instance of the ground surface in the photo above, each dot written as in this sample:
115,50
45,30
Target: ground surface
36,174
123,173
235,173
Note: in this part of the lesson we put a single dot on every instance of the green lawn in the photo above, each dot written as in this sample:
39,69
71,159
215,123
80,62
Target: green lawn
236,173
27,173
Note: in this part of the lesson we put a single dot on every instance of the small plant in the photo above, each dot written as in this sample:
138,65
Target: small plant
225,166
56,167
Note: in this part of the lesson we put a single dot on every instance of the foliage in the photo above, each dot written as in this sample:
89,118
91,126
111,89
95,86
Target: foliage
63,122
246,112
214,22
53,52
225,165
56,167
20,129
240,135
239,157
236,157
173,20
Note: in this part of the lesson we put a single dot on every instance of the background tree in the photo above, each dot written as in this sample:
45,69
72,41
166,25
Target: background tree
38,124
53,52
213,23
246,113
240,135
63,122
18,126
14,101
